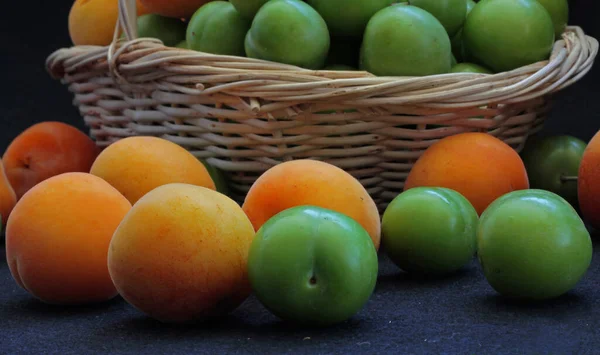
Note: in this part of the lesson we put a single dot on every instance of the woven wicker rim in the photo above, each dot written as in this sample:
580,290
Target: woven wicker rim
572,57
245,115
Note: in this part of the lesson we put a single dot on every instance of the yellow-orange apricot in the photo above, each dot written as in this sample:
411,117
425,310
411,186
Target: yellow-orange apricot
57,238
181,254
136,165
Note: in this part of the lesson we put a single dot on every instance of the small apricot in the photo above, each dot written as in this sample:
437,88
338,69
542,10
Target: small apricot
44,150
478,165
57,239
312,182
137,165
92,22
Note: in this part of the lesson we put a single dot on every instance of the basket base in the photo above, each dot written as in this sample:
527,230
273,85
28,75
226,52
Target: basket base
380,157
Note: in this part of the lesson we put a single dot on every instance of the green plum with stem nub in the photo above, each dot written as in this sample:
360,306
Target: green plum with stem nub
552,164
312,266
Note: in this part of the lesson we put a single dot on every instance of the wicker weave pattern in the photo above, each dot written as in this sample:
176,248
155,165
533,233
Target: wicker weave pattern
244,115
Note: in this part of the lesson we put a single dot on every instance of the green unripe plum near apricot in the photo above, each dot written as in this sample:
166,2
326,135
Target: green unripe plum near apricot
552,164
430,231
559,12
248,8
348,17
469,68
533,245
288,32
170,31
507,34
451,13
312,266
218,178
404,40
457,39
217,28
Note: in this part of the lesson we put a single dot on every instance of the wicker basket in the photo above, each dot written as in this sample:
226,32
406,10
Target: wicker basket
244,115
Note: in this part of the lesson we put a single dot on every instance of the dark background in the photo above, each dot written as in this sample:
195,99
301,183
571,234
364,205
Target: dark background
32,30
460,314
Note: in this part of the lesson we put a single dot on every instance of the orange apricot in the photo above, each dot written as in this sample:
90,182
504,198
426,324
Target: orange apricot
311,182
8,198
92,22
588,188
137,165
478,165
44,150
57,239
181,253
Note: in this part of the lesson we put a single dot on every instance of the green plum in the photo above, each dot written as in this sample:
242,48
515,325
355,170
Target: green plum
288,32
312,266
183,45
218,178
469,68
457,39
559,12
348,17
405,40
470,5
170,31
507,34
248,8
430,230
451,13
533,245
217,28
553,162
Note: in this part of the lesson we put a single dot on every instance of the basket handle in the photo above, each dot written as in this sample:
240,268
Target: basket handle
127,20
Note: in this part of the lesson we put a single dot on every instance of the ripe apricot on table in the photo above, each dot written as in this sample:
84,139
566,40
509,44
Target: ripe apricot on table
180,254
478,165
8,198
44,150
589,182
57,239
92,22
311,182
136,165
